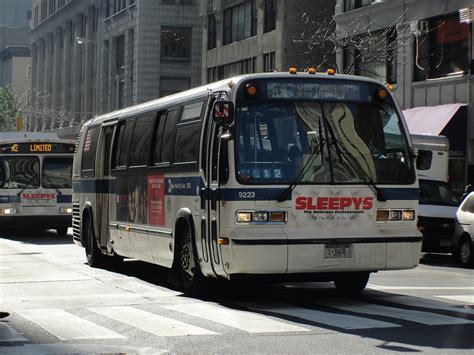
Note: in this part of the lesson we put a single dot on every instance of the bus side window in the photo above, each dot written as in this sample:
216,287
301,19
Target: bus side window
158,137
168,136
107,143
89,150
140,144
122,144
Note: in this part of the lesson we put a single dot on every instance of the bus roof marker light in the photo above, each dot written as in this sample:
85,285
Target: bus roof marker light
331,71
230,84
251,90
311,70
382,94
223,241
292,70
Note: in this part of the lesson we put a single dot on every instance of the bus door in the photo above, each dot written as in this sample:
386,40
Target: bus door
210,198
104,185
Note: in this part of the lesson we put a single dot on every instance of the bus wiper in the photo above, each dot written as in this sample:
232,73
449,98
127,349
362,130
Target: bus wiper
303,171
354,163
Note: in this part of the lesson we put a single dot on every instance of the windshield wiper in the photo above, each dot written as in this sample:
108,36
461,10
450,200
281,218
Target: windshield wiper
354,163
303,171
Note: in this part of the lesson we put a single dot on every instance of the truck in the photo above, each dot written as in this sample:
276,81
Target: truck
437,203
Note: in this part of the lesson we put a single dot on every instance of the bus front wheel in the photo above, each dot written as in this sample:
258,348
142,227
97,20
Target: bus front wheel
188,266
351,283
93,254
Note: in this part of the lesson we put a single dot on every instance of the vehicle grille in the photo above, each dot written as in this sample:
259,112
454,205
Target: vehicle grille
76,221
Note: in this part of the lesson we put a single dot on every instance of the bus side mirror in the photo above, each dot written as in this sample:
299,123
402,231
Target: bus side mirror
223,113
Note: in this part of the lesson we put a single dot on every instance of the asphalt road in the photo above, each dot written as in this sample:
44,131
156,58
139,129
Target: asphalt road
55,303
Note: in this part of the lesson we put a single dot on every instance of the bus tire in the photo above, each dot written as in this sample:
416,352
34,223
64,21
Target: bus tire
61,232
187,264
93,254
351,283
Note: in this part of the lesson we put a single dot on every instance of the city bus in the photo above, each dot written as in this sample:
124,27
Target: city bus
36,181
279,176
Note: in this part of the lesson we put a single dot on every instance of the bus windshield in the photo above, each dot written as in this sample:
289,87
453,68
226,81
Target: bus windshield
321,142
57,172
19,172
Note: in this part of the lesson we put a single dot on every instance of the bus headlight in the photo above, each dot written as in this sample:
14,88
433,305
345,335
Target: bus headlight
260,217
8,211
395,215
244,217
65,210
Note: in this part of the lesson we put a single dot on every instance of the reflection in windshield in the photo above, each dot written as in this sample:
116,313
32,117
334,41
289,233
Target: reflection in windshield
57,172
279,141
437,193
19,172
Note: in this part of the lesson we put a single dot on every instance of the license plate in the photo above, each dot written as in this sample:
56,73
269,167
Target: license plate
335,251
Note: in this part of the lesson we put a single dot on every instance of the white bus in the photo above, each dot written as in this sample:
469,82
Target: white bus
277,175
36,181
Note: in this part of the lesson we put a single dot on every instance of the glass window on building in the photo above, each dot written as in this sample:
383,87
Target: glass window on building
269,62
270,15
119,5
176,43
120,52
443,50
211,32
240,22
355,4
373,56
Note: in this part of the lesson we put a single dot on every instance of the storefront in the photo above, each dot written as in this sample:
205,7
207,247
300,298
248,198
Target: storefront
447,120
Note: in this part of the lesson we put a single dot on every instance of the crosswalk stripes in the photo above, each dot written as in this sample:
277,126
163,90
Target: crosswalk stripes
66,326
422,317
273,317
469,299
342,321
8,334
150,322
243,320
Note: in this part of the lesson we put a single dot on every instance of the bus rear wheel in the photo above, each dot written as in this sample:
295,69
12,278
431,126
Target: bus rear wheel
188,267
351,283
94,257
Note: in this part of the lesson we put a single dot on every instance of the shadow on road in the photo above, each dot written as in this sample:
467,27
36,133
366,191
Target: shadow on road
40,237
440,259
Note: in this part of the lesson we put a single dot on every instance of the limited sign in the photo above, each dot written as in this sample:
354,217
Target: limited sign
37,148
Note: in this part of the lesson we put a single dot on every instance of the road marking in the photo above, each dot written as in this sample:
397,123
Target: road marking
66,326
342,321
460,298
243,320
379,287
392,312
8,334
149,322
424,303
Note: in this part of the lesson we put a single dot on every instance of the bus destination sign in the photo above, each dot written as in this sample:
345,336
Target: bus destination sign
36,148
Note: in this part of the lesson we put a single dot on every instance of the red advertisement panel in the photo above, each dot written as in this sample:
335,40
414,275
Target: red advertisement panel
156,199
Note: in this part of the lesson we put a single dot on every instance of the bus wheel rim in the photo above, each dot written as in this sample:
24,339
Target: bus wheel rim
187,260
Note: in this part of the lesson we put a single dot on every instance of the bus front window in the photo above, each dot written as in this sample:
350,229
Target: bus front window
312,142
20,172
57,172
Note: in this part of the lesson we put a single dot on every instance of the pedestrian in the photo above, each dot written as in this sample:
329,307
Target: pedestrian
467,190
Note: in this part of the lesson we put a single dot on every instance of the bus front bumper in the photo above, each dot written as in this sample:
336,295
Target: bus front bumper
42,222
290,256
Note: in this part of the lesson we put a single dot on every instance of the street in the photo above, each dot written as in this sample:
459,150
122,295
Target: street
57,303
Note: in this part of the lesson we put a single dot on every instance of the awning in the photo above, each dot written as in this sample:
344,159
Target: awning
430,119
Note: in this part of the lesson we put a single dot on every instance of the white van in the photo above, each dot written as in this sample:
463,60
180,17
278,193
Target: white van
438,204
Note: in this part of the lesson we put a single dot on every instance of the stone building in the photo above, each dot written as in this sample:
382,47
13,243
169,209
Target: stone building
247,36
431,67
95,56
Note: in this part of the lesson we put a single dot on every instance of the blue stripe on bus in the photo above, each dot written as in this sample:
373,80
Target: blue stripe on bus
252,194
189,186
64,198
10,199
400,193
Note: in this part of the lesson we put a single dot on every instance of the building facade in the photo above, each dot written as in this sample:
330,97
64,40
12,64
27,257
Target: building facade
429,62
96,56
15,60
248,36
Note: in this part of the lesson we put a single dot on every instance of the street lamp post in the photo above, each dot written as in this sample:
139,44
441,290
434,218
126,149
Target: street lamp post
116,76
